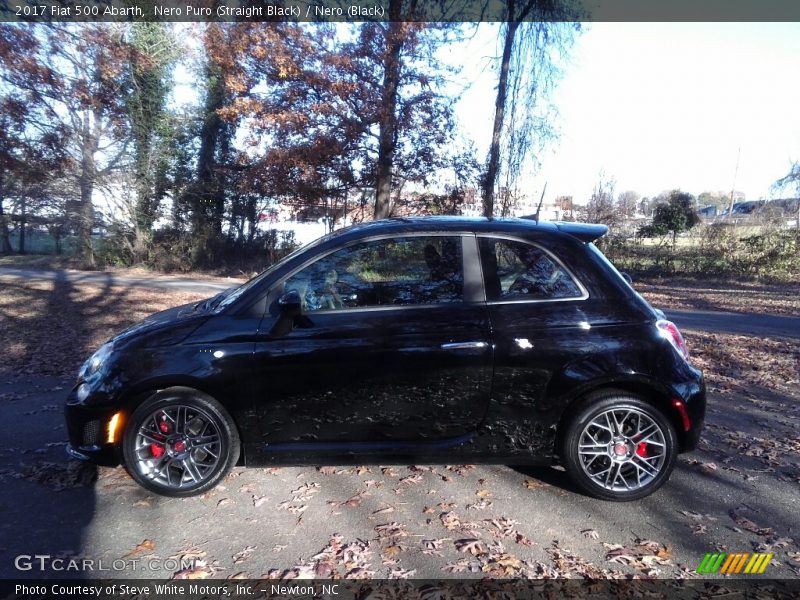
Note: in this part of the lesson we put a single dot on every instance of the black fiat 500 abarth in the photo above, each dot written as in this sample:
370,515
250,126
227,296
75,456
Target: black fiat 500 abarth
411,340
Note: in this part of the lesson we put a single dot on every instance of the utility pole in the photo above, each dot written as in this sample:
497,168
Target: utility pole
733,187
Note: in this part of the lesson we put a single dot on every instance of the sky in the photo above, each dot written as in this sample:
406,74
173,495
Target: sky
651,106
658,106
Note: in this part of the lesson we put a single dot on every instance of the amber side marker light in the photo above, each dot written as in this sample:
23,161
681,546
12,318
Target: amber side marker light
113,427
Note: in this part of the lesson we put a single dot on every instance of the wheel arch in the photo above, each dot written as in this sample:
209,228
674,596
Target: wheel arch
649,391
147,389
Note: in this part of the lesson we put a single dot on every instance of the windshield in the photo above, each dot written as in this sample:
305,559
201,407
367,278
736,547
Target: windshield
236,293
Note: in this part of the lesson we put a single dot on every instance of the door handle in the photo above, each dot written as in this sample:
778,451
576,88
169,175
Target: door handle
464,345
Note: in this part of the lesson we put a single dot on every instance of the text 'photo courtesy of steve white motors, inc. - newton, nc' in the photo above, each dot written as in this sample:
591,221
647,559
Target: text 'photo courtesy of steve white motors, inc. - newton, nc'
191,11
239,589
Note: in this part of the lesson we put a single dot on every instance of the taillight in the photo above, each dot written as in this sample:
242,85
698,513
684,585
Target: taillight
669,331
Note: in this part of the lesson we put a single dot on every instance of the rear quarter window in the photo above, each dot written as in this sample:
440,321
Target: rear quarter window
516,270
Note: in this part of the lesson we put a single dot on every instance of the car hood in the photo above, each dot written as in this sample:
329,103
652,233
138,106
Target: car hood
164,328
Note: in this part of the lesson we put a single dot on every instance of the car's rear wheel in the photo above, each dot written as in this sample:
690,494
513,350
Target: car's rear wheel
619,447
180,443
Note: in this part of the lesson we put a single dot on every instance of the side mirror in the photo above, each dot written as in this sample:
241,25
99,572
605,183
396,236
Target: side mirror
290,315
627,278
290,304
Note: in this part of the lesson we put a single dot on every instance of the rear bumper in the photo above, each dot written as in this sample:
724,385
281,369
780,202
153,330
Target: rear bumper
693,395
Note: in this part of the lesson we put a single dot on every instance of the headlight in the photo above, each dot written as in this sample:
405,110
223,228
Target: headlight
83,392
95,362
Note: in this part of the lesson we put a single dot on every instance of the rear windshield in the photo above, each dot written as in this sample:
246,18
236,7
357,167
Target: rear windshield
608,263
619,276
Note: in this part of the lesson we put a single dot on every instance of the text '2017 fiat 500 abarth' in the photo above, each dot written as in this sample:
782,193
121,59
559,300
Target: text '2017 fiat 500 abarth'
406,340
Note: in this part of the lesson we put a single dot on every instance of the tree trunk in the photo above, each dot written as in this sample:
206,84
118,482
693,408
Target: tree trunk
85,213
5,238
388,114
209,194
85,221
23,211
493,161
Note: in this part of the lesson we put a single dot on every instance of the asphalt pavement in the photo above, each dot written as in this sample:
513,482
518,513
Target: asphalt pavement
397,520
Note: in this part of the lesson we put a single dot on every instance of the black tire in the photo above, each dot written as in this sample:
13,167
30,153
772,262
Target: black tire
638,472
157,460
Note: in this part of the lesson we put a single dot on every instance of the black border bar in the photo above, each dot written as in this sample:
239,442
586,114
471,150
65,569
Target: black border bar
349,589
378,10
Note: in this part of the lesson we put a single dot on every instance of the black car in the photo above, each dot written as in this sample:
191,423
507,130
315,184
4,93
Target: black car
406,340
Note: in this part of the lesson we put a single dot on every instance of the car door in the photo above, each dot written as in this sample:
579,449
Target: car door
536,307
392,346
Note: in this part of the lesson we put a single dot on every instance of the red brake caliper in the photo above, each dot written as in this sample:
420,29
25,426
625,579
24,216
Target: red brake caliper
641,449
157,450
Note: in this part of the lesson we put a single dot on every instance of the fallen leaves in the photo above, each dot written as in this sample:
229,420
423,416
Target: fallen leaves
459,469
646,556
533,484
433,546
749,525
199,571
58,476
352,502
411,479
590,533
450,520
472,545
697,516
243,555
146,547
79,320
696,294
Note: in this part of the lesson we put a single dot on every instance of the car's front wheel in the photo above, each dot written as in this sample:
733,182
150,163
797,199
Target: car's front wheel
179,443
619,447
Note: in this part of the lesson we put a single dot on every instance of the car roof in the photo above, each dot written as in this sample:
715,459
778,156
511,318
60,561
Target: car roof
585,232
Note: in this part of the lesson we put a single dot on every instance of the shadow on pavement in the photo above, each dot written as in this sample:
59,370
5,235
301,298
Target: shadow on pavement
47,500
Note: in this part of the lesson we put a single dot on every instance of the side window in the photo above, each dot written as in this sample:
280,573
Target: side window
520,271
392,272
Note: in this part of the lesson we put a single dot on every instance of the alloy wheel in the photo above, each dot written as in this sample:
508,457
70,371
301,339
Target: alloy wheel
622,449
178,447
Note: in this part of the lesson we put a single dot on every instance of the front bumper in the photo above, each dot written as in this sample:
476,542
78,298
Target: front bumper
87,427
106,455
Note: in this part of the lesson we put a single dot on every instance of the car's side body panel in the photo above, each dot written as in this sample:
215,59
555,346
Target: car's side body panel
375,376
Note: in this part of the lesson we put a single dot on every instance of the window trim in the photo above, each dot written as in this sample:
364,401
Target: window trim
513,238
464,236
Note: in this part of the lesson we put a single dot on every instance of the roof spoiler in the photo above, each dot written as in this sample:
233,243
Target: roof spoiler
585,232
